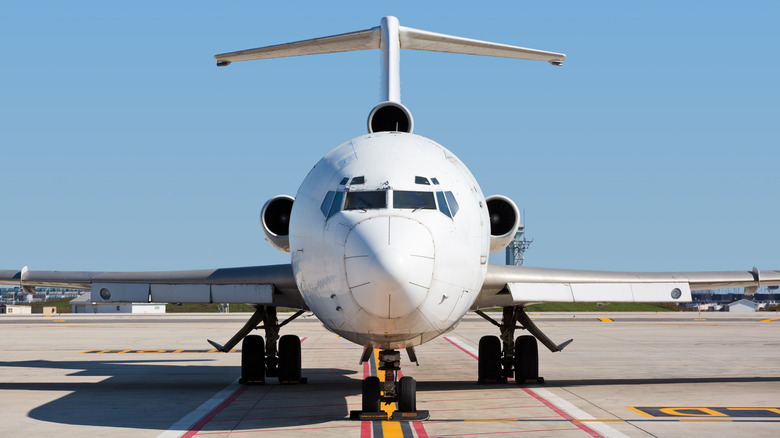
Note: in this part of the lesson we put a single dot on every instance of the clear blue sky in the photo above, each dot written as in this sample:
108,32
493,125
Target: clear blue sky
655,147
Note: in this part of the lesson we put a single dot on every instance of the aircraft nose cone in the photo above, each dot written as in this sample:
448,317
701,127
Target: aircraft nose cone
389,264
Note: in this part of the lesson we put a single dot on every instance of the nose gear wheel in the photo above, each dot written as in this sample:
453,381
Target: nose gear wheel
377,392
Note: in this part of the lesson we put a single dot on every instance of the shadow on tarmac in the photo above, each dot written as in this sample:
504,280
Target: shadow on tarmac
155,394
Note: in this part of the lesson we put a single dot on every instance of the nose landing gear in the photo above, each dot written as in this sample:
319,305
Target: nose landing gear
388,391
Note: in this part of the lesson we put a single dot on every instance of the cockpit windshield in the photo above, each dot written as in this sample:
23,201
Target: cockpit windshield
364,200
369,200
415,200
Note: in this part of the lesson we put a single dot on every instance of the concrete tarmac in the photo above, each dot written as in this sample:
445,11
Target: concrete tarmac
625,374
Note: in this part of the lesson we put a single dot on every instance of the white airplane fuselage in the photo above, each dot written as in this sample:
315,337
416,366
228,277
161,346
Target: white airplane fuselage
389,240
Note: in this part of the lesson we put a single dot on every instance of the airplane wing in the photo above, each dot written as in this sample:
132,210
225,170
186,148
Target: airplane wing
267,285
521,285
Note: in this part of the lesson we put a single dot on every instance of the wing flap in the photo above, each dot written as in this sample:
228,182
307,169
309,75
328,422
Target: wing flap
523,293
520,285
268,285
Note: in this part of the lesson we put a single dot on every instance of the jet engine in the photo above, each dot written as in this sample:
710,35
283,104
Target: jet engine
275,219
504,221
390,116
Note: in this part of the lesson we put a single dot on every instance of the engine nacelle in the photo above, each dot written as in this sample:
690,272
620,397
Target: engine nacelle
390,116
275,220
504,221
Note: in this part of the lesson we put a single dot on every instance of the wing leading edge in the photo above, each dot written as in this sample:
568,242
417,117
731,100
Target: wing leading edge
521,285
269,285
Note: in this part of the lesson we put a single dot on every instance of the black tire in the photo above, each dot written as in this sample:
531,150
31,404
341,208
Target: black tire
371,394
253,360
489,360
526,359
289,359
407,394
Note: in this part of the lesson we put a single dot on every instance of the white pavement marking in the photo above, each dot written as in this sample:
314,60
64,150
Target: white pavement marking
189,420
575,412
579,414
462,345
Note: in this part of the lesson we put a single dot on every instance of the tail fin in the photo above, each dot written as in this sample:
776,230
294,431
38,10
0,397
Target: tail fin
390,37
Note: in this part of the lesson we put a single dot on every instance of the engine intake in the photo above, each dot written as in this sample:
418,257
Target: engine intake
275,220
390,116
504,221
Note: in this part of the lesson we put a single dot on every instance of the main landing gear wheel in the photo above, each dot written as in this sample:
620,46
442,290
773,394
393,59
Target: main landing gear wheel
407,394
371,394
489,360
253,360
289,359
526,360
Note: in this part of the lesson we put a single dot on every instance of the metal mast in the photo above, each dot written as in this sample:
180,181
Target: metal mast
515,252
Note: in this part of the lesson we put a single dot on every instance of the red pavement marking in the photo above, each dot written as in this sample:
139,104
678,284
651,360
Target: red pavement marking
557,410
365,429
418,427
205,420
222,406
563,414
277,430
365,426
507,432
461,348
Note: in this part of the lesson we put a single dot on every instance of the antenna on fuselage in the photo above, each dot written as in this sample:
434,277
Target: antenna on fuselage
390,37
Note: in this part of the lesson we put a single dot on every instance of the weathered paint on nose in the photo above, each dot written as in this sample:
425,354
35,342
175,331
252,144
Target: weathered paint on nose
389,265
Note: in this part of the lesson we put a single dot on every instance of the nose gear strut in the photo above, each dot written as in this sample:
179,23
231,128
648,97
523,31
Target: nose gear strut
390,391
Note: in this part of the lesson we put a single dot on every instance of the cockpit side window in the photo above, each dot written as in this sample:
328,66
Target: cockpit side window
452,202
421,180
336,206
358,180
414,200
442,204
368,200
327,202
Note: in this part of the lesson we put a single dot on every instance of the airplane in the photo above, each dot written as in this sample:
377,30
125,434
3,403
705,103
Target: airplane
389,236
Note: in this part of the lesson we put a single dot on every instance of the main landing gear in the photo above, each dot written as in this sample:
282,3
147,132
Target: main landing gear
500,359
260,358
388,391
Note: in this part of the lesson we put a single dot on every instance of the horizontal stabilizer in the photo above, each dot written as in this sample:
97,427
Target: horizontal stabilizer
345,42
436,42
390,37
409,38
